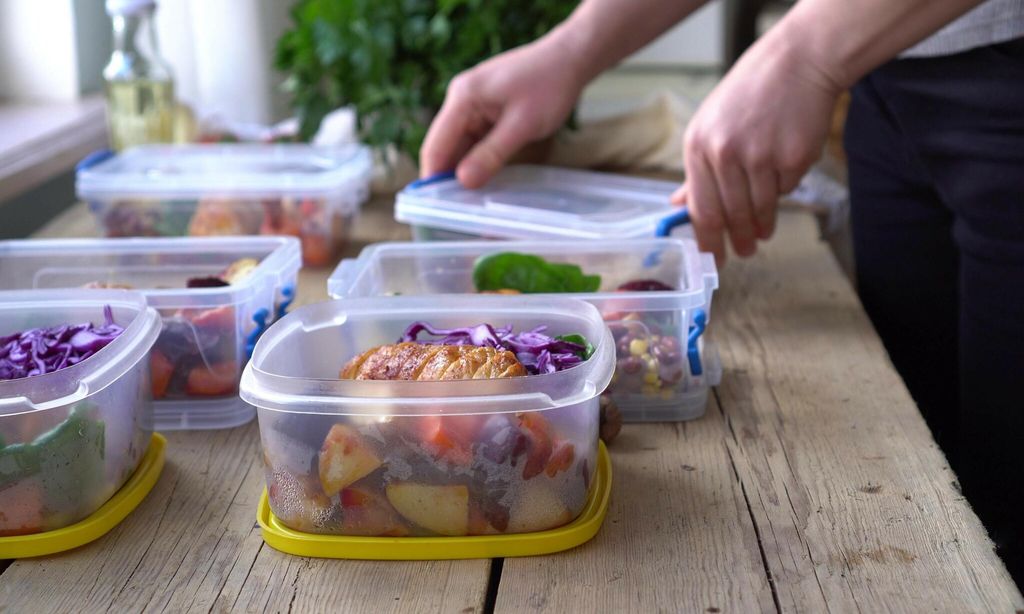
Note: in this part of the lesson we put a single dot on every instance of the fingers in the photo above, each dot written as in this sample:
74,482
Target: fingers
512,130
680,197
765,198
446,141
739,212
705,205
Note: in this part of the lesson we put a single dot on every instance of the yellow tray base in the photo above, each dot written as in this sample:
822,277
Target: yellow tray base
581,530
101,521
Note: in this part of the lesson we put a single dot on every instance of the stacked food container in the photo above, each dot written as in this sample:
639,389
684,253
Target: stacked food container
215,297
76,435
309,192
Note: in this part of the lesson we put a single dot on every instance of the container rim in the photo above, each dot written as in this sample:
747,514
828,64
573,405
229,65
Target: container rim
699,274
283,258
126,174
273,391
42,392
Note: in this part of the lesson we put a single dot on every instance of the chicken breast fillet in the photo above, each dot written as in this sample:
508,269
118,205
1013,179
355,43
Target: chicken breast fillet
422,362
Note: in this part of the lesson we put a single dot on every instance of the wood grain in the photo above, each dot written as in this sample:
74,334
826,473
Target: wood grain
855,505
678,536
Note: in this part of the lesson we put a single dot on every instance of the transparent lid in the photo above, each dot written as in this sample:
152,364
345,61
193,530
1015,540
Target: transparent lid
530,202
295,365
250,170
22,310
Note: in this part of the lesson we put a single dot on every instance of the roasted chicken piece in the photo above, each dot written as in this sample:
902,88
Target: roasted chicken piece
418,361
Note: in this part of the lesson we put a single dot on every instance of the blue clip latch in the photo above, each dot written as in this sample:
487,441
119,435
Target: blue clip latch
288,292
435,178
260,318
700,320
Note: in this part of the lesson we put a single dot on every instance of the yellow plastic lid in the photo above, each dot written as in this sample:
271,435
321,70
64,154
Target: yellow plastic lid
101,521
581,530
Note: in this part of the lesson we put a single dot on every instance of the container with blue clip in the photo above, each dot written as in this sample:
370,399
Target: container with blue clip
207,334
540,202
654,294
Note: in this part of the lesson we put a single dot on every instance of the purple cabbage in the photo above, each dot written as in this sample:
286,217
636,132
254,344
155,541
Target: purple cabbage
44,350
539,353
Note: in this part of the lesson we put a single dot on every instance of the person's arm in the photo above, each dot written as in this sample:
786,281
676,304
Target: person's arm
525,94
763,126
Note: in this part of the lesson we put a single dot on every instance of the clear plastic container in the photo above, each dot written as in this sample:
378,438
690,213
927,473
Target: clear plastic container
208,333
415,458
236,189
538,202
664,369
70,439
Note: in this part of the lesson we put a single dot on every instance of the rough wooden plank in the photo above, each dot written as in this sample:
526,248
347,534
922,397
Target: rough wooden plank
855,505
678,536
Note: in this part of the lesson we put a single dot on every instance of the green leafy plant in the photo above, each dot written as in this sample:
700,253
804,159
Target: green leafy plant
392,59
530,274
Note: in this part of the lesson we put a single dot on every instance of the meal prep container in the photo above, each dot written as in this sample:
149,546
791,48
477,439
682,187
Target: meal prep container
237,189
208,333
424,458
71,438
539,202
664,369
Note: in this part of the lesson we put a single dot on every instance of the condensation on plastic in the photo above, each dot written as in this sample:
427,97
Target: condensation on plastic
446,268
159,269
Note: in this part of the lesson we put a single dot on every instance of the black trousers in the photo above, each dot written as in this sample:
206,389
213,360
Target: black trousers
936,154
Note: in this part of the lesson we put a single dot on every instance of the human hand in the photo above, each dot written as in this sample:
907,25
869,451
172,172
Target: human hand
750,142
497,107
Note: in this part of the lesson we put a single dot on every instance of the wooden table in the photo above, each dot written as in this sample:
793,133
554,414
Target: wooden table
812,484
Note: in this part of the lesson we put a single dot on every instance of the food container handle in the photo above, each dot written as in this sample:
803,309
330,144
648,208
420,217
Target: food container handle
435,178
666,224
93,159
700,320
260,318
664,229
288,292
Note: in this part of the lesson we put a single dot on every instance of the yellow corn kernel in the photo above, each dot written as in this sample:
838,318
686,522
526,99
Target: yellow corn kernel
638,347
651,378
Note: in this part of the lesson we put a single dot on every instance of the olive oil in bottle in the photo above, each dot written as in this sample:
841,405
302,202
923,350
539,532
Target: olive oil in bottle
140,89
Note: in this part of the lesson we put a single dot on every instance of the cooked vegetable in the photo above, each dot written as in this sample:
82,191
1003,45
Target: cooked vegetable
530,274
44,350
538,352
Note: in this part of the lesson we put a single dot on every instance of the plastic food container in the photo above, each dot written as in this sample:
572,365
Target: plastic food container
70,439
664,369
538,202
413,458
203,190
208,333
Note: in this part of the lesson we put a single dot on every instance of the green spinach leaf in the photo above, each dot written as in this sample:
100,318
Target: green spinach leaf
530,274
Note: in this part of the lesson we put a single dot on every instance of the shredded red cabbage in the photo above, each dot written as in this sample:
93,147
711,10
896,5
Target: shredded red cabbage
44,350
538,352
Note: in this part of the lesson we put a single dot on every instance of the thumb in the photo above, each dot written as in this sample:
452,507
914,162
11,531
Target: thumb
680,196
508,135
